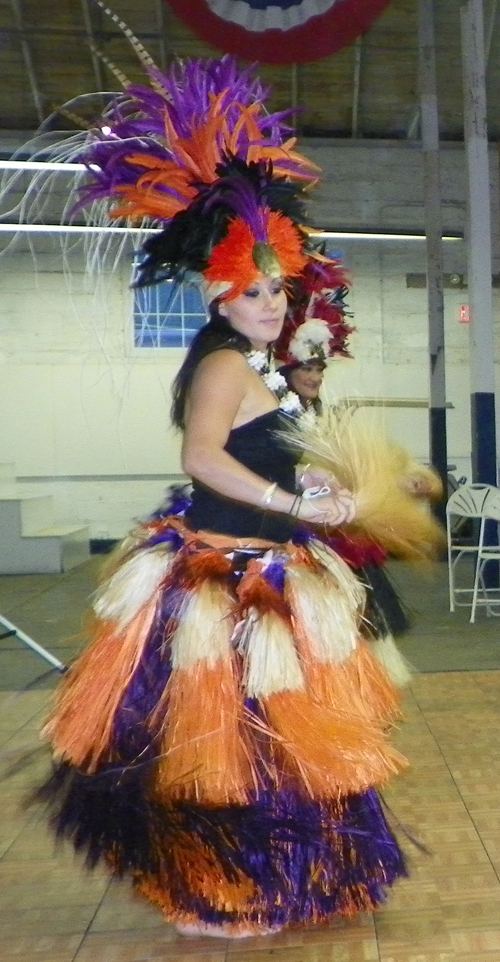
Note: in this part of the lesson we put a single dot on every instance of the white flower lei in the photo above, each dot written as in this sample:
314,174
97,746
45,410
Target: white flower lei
288,401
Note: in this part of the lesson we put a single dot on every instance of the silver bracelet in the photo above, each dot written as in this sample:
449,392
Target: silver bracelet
269,493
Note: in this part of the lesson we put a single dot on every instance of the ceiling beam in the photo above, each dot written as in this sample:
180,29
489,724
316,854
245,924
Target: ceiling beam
28,61
358,52
91,40
66,33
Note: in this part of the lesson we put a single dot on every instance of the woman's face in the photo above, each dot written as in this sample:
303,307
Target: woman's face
259,312
307,379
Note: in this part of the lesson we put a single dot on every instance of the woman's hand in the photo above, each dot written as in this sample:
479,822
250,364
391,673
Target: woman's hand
332,509
419,487
313,477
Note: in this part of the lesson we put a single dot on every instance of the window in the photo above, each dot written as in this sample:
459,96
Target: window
167,315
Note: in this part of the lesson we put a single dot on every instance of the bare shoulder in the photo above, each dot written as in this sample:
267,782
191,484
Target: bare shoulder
220,382
223,371
223,362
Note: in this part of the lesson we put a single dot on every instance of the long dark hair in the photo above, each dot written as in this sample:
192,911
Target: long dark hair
216,334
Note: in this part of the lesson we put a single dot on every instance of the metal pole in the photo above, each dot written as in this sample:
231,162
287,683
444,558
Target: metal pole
434,246
13,631
479,257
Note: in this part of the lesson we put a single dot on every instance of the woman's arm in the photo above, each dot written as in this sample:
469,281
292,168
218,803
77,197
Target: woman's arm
224,393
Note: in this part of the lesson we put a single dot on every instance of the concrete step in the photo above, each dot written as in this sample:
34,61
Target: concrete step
37,512
30,542
66,546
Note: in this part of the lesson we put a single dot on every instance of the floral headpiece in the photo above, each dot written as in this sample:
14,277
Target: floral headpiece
198,155
315,328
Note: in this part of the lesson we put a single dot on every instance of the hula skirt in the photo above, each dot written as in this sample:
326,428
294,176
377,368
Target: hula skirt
222,738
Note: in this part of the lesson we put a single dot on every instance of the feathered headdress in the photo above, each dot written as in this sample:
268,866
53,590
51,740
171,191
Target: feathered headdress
197,154
316,327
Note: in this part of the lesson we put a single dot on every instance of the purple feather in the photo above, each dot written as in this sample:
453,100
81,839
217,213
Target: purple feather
136,122
170,537
274,574
177,501
302,536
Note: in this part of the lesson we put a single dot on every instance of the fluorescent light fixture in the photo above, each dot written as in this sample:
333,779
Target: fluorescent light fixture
93,229
38,165
73,229
379,235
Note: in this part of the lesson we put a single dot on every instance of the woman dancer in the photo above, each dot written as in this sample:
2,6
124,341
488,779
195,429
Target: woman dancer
222,738
316,330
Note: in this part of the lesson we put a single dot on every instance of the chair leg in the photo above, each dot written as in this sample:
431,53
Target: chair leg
490,603
477,575
451,584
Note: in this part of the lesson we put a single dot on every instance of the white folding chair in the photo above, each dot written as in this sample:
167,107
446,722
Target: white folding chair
466,502
490,596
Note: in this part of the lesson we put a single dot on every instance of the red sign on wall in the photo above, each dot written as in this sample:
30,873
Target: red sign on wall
464,316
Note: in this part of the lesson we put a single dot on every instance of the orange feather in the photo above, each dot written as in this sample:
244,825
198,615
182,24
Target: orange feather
330,752
255,592
204,757
232,260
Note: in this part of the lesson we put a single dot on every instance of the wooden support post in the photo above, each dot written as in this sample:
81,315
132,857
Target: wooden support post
479,261
479,257
434,243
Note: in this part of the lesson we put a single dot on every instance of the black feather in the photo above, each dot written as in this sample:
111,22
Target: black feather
185,245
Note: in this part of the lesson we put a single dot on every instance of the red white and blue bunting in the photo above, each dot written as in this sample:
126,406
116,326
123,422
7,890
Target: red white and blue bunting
279,31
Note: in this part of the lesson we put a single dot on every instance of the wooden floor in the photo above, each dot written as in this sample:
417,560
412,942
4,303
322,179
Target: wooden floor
447,911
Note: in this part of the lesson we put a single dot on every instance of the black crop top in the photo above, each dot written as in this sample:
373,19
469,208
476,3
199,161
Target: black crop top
254,445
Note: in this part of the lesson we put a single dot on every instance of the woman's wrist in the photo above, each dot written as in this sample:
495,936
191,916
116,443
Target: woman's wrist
317,505
274,498
267,497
